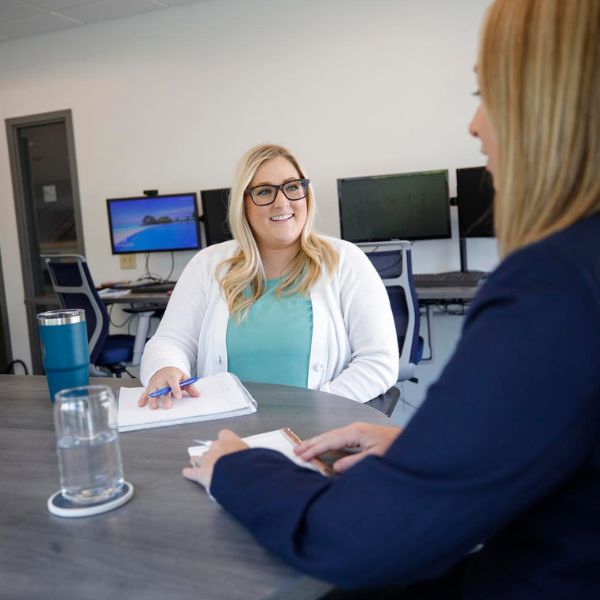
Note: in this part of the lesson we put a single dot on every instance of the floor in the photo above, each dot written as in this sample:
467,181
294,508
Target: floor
445,332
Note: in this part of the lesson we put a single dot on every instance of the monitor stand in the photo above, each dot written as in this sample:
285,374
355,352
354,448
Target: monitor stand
463,255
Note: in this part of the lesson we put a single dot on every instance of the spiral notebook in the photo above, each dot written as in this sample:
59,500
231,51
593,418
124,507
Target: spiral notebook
221,396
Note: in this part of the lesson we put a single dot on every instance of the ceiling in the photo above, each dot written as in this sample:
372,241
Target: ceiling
24,18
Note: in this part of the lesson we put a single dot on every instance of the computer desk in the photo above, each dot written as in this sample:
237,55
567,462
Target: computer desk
441,298
150,302
145,307
424,294
427,297
446,295
170,541
160,300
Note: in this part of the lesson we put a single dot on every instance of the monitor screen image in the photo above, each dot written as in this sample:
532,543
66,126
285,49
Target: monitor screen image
410,206
153,223
475,202
215,205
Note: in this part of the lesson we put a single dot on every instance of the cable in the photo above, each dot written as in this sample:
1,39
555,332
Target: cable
158,278
12,364
118,325
172,266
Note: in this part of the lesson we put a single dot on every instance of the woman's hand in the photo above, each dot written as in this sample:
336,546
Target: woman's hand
168,376
202,467
366,439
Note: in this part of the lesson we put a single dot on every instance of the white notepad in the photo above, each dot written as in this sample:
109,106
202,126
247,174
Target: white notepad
283,440
221,396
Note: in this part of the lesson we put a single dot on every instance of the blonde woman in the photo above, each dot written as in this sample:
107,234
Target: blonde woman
506,447
278,303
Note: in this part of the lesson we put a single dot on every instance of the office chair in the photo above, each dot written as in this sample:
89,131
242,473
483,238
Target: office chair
393,262
73,284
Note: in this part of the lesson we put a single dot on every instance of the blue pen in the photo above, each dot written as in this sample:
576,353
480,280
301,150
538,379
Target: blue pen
167,390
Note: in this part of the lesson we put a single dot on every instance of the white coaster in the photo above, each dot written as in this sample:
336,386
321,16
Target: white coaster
61,507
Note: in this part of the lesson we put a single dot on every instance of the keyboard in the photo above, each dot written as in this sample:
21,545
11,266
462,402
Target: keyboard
154,288
110,293
449,279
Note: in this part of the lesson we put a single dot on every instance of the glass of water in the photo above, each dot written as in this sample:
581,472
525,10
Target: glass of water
87,442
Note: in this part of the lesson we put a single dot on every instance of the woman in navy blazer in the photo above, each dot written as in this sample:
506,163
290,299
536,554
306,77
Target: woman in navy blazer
505,450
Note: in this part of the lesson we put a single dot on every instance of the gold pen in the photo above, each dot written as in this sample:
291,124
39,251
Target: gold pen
323,468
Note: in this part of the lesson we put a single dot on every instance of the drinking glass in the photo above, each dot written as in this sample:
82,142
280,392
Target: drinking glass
87,442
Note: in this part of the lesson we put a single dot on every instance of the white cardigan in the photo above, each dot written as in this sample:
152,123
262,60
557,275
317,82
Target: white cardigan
354,348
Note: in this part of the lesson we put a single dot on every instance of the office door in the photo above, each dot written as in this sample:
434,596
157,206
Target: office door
5,349
46,194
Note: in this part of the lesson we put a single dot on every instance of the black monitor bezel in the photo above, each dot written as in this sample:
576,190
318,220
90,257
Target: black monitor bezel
157,197
492,235
203,203
372,177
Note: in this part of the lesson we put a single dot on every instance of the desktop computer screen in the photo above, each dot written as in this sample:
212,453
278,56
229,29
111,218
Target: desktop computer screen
215,205
153,223
475,202
409,206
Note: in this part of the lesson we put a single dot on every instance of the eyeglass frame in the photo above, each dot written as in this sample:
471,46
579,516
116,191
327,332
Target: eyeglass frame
303,181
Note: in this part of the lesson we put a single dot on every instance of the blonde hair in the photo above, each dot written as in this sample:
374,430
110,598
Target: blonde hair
245,269
539,76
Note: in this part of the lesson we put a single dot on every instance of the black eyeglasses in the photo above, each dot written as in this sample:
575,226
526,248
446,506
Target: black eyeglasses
262,195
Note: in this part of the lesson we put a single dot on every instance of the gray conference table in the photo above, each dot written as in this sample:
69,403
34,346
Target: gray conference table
170,541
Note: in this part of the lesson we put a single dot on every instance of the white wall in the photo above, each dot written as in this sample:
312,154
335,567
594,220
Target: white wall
171,100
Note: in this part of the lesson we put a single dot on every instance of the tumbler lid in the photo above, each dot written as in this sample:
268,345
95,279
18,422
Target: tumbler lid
65,316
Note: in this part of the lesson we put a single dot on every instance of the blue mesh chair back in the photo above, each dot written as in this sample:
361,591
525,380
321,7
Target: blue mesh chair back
395,269
74,286
72,283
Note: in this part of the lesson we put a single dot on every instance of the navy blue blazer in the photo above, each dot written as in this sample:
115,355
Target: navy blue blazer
505,450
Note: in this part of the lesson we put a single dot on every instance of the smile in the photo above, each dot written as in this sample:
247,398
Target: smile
281,217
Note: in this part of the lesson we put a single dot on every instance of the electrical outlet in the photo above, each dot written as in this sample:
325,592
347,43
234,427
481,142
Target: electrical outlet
127,261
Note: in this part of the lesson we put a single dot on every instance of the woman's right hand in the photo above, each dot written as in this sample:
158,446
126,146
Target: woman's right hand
364,438
167,376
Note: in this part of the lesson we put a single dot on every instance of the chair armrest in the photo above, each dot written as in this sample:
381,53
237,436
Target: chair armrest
385,402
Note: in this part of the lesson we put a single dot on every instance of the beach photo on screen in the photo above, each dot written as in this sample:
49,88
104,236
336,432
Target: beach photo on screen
154,224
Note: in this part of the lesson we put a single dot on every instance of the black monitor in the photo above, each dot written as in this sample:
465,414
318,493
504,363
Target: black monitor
215,205
409,206
153,223
475,202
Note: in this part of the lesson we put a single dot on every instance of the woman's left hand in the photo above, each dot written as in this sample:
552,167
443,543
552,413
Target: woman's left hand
202,467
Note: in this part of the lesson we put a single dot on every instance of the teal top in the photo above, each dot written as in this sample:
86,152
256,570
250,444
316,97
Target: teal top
272,345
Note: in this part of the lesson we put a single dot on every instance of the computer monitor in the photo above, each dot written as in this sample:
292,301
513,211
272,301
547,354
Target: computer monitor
215,205
409,206
153,223
475,202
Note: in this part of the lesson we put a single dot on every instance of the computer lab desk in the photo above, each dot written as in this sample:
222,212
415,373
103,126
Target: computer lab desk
155,300
446,295
424,294
444,299
427,296
150,302
143,307
160,300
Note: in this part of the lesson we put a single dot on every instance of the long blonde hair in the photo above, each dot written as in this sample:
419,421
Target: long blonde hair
539,76
245,268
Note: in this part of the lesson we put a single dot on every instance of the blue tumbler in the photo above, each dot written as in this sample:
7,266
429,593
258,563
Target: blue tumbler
65,353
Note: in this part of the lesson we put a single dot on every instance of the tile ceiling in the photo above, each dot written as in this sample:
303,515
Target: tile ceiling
23,18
